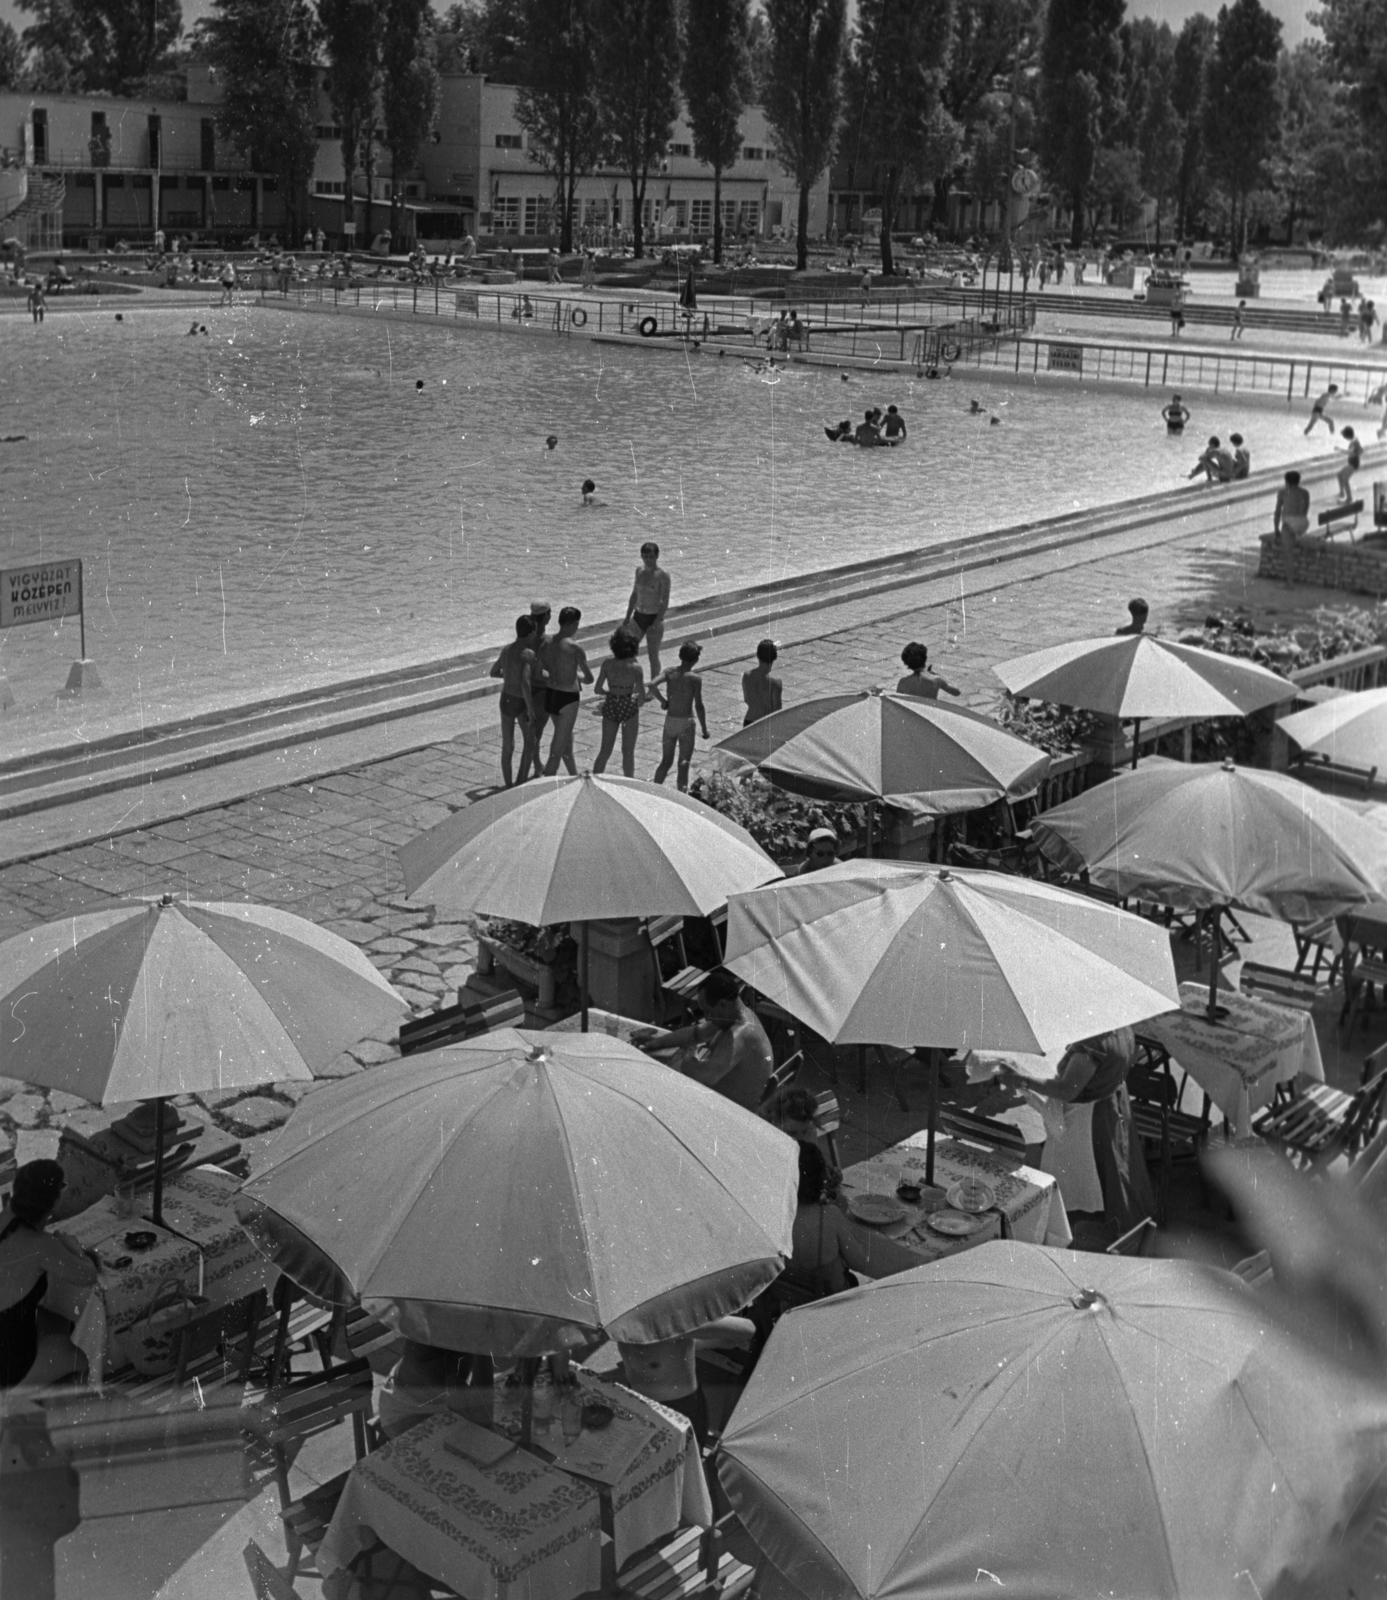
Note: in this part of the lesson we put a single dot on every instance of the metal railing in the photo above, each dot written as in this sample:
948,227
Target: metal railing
1288,378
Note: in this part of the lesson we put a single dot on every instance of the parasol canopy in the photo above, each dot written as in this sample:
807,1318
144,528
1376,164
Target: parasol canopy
520,1191
883,952
1351,729
905,751
1054,1425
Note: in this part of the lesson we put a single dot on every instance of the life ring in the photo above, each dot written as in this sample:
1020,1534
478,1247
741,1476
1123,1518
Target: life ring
578,318
950,352
648,326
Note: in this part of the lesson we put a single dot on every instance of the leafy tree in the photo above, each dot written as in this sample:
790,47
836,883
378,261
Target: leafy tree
1116,183
1148,122
351,34
482,36
265,53
1242,109
409,89
11,57
1193,47
1079,92
638,84
803,92
993,50
717,83
102,46
558,105
1355,44
892,87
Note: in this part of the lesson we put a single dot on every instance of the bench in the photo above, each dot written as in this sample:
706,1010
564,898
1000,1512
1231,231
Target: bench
1367,776
463,1021
1341,518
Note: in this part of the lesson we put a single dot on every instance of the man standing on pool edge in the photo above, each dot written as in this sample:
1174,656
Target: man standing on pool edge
648,603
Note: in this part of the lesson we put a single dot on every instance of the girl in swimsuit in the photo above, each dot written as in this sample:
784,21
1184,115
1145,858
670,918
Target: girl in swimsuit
621,679
28,1258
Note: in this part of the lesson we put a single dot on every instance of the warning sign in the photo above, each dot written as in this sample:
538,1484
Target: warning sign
1066,358
40,593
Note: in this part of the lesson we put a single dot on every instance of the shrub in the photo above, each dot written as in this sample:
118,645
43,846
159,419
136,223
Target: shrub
778,821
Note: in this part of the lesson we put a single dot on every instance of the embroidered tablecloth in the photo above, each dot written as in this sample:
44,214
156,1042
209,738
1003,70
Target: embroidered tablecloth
521,1529
1238,1061
1029,1200
200,1244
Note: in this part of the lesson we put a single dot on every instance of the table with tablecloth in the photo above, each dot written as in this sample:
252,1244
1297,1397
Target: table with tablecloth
521,1527
1239,1060
201,1246
1030,1201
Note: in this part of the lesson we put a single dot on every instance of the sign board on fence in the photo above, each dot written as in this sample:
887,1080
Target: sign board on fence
469,300
42,592
1065,358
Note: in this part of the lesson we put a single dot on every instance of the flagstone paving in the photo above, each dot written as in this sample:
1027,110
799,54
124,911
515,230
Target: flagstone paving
326,849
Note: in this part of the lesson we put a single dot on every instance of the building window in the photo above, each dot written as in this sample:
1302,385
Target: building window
536,213
753,152
328,130
729,213
677,213
506,215
750,216
681,149
594,213
327,186
701,216
510,141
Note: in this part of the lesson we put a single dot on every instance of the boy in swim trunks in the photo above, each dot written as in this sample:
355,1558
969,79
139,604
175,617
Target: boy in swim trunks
682,699
648,603
565,665
761,691
1355,460
1318,413
1291,519
894,426
514,667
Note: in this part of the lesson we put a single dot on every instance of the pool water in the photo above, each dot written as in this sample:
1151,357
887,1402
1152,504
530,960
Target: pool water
274,505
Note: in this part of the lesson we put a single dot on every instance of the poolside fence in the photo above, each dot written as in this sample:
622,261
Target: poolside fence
928,331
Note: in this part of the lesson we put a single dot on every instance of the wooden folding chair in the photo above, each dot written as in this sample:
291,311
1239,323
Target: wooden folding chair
296,1411
964,1123
1156,1114
693,1562
465,1020
1297,991
1321,1123
1136,1241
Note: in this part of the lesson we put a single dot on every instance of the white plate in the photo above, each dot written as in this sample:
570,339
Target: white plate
971,1194
954,1223
877,1209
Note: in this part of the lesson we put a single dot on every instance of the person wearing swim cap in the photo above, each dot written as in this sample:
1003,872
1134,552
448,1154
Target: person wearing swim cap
823,851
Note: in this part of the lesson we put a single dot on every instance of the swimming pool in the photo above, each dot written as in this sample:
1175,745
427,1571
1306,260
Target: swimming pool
275,505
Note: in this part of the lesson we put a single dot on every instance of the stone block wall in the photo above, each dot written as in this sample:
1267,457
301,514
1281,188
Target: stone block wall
1359,568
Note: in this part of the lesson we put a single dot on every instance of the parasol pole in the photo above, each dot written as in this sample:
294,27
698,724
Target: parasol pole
583,973
158,1208
1213,963
871,828
933,1115
1136,734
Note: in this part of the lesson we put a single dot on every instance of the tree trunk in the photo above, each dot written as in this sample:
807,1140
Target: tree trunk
348,200
637,220
568,190
1158,224
369,166
397,214
888,221
802,231
717,215
1076,227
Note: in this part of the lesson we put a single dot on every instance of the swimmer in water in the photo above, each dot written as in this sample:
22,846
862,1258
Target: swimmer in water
841,434
1175,415
551,442
589,489
894,427
192,332
994,422
974,409
418,385
866,434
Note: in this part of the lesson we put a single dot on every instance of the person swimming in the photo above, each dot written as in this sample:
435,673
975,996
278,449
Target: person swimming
418,385
840,434
894,427
551,443
974,409
1175,415
589,489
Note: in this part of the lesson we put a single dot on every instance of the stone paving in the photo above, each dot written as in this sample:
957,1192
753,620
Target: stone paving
326,849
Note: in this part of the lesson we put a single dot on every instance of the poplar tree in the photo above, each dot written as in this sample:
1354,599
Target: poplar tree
638,84
717,82
803,94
